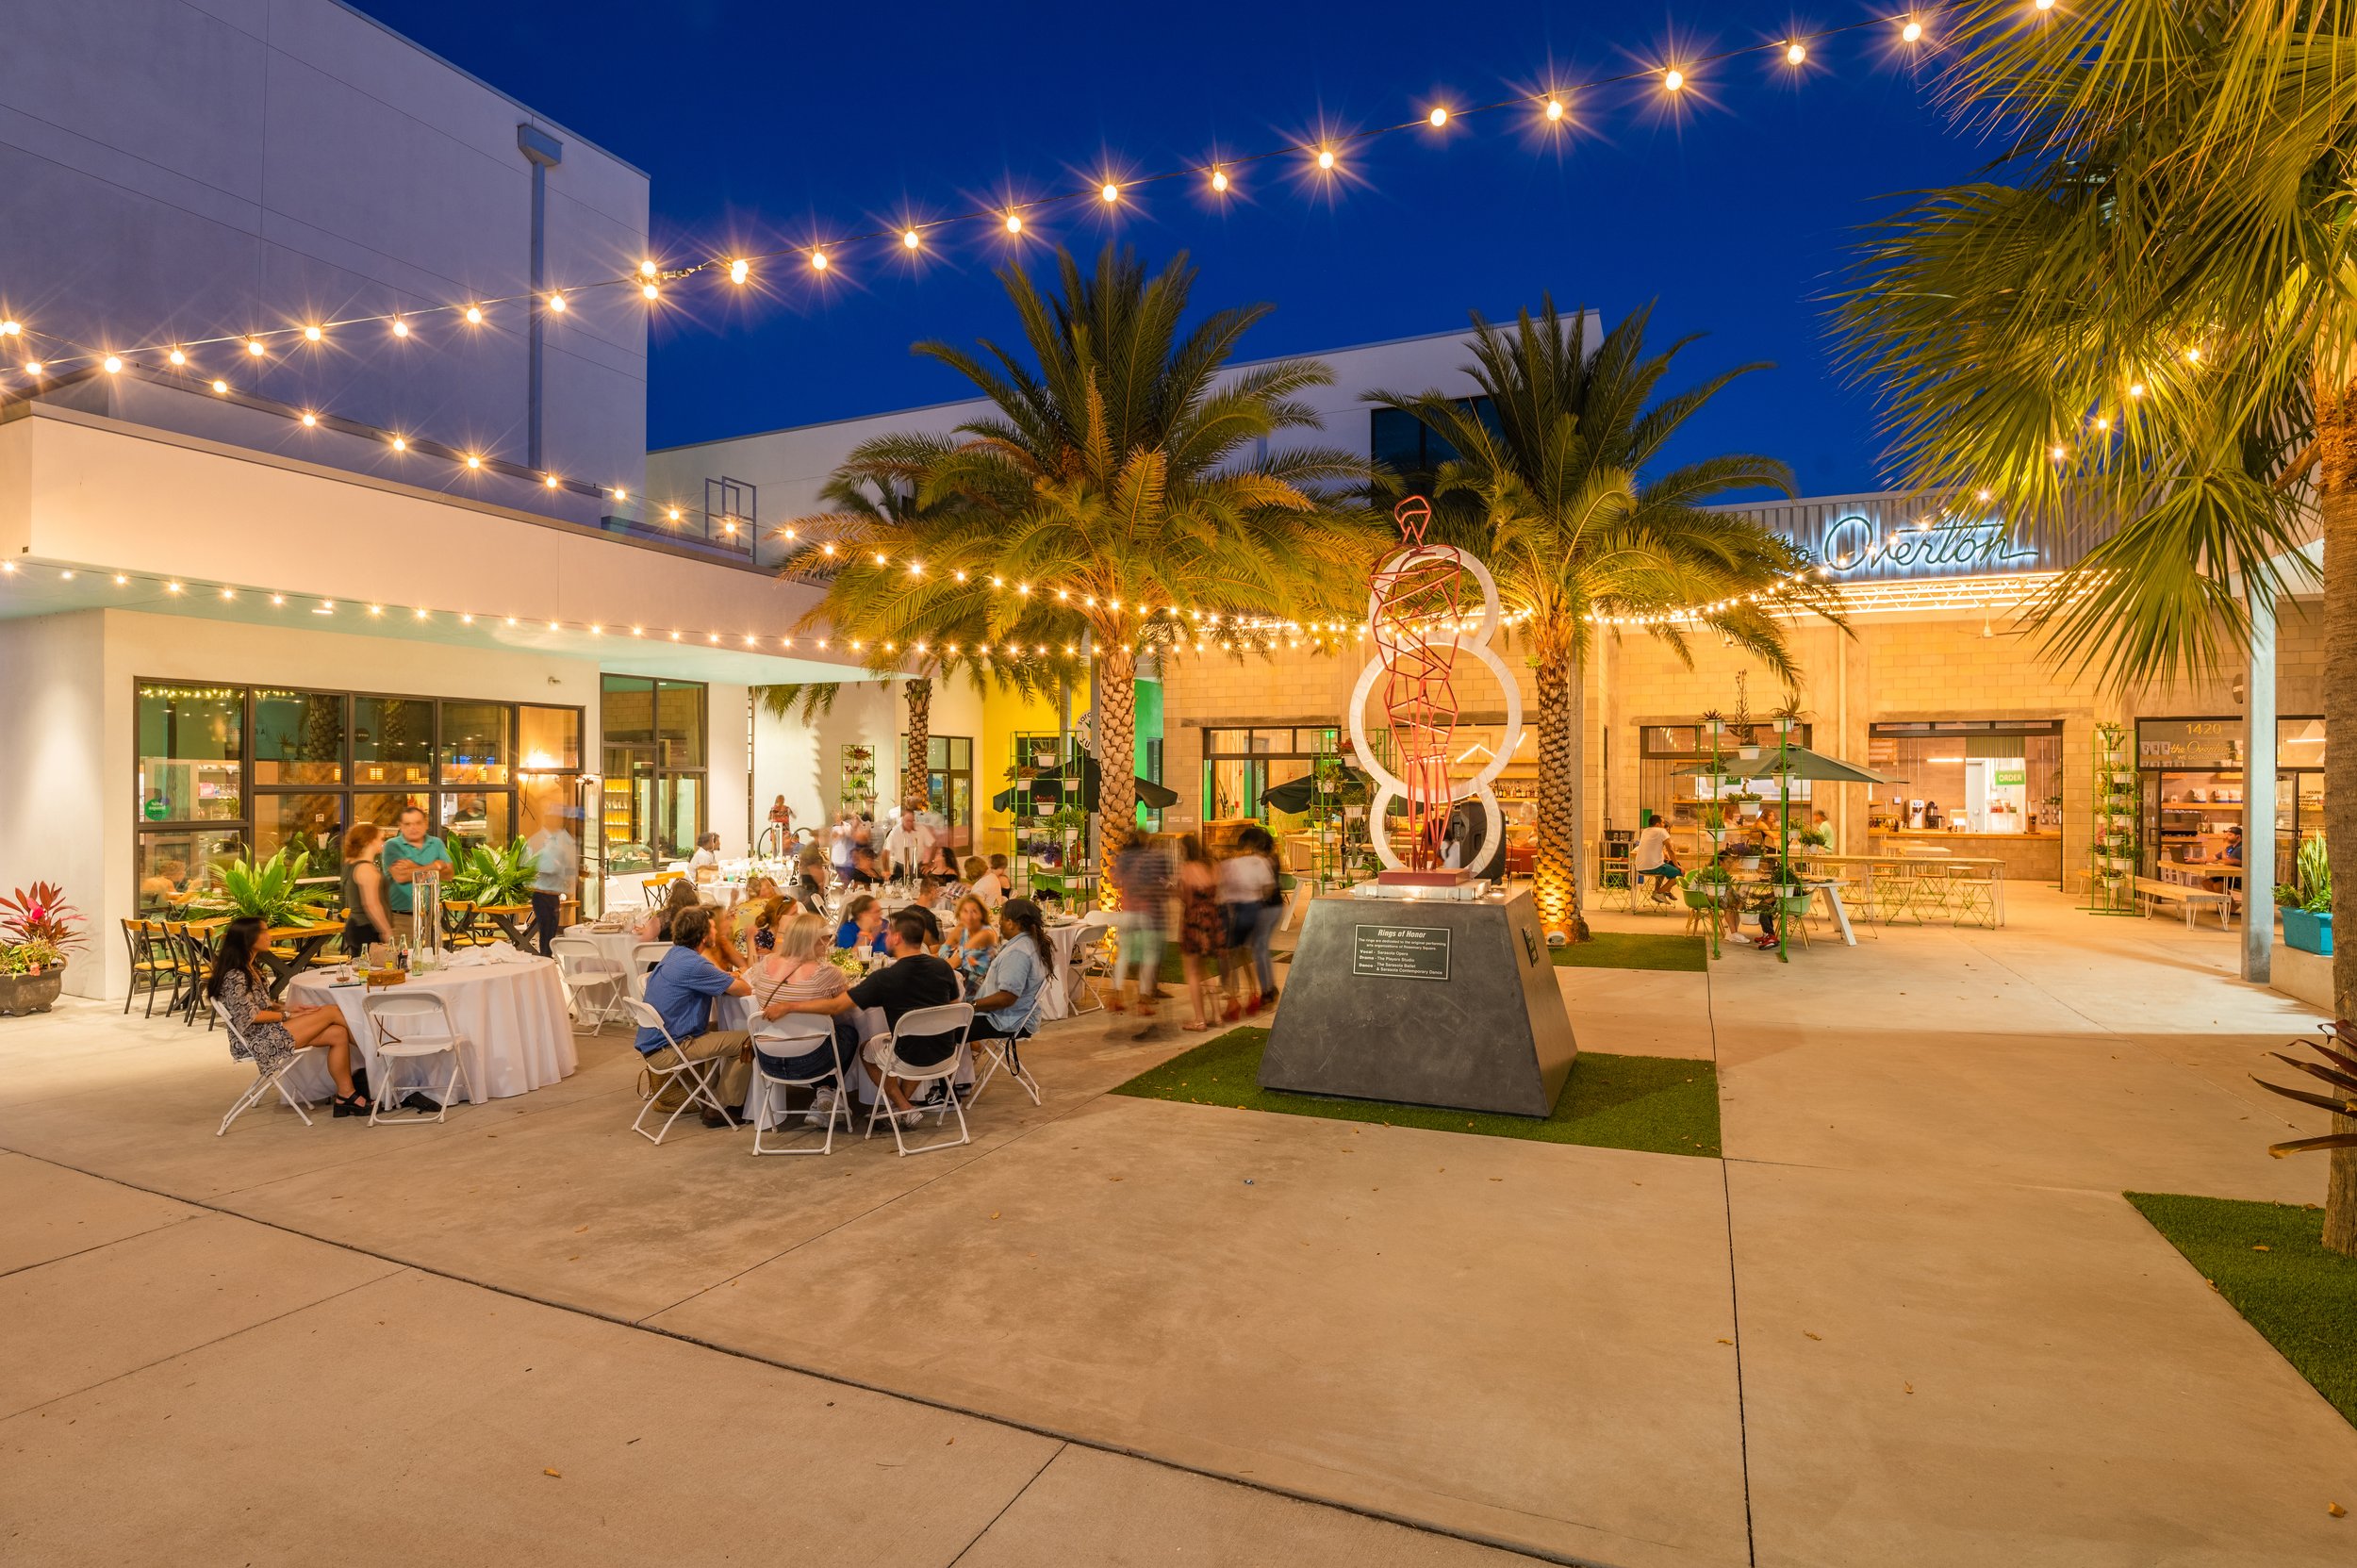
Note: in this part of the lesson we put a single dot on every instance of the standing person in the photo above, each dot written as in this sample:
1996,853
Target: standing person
783,816
558,858
1202,930
1257,843
270,1032
681,989
908,846
1650,857
1247,878
367,922
839,845
1142,878
412,855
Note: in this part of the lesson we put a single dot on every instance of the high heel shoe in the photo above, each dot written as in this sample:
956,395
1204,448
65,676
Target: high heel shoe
353,1104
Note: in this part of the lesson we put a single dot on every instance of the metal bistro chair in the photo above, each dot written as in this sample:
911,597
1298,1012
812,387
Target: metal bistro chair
265,1078
1971,894
153,961
1008,1053
411,1024
955,1018
695,1075
809,1032
196,951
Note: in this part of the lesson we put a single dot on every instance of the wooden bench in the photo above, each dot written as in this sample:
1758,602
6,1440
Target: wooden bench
2195,898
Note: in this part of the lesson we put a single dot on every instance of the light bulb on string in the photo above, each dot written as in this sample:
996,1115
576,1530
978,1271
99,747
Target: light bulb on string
1795,51
1554,108
647,268
400,328
1674,79
112,364
177,357
253,347
1438,118
221,387
474,316
1219,180
739,270
1015,222
32,367
818,261
1912,32
1109,193
1326,157
556,303
312,334
908,239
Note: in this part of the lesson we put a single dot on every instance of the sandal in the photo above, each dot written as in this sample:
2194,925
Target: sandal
353,1104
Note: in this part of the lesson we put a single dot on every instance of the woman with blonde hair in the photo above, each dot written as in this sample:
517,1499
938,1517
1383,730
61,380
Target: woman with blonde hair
798,969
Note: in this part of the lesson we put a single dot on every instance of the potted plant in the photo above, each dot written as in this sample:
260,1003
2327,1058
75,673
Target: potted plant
37,929
1706,887
2307,902
272,892
487,876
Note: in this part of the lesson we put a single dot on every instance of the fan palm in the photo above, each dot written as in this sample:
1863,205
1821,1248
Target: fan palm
2146,312
1118,463
1550,488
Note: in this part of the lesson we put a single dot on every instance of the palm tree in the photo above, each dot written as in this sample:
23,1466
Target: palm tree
1550,490
2145,313
1120,464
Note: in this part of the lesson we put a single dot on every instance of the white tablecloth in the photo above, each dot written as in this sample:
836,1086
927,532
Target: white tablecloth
518,1034
1062,999
614,947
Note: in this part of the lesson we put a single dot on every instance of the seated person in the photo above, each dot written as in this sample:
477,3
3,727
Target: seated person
914,979
931,923
865,871
811,875
1650,857
797,970
2232,853
655,926
970,947
861,930
760,924
990,884
680,990
1019,970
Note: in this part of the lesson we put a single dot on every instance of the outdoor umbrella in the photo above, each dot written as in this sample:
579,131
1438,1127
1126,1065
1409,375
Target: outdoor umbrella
1798,762
1149,792
1298,795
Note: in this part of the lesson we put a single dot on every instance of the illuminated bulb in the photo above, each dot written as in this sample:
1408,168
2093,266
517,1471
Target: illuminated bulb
1015,222
417,615
672,512
556,303
712,637
1554,108
1438,117
1912,31
312,334
1674,78
2193,357
818,261
550,480
1110,192
1219,180
466,620
1983,495
32,367
621,494
908,239
177,357
675,637
474,316
309,420
2102,424
229,593
553,627
647,269
739,270
2060,453
2135,389
113,363
253,347
916,569
221,387
1326,157
2044,5
1795,51
168,587
649,290
66,575
474,462
400,443
595,629
9,329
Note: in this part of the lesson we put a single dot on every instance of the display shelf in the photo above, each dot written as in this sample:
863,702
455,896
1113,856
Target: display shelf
2112,831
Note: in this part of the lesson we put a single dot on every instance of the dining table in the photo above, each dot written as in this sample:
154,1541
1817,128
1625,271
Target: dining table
286,952
509,918
1912,861
509,1005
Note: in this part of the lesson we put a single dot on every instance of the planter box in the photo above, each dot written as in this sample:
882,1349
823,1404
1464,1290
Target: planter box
30,993
2308,933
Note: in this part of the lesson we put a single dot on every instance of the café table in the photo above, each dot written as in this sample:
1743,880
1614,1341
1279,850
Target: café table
1827,888
1912,861
306,941
511,1008
508,918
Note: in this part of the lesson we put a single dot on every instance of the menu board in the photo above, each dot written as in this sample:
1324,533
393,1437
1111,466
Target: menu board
2189,744
1400,952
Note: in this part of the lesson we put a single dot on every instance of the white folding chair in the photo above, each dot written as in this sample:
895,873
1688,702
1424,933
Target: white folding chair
695,1075
410,1025
1088,956
265,1080
1008,1053
586,980
956,1018
643,958
796,1034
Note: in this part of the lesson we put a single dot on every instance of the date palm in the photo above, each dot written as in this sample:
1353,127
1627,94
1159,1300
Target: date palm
1556,488
2145,311
1121,462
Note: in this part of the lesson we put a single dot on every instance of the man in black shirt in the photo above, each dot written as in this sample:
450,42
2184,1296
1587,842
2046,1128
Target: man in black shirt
914,979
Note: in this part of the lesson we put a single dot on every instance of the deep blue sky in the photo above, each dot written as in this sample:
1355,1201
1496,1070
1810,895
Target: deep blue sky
761,123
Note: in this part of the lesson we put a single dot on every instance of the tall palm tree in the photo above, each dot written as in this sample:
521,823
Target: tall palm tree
1122,463
2146,312
1554,489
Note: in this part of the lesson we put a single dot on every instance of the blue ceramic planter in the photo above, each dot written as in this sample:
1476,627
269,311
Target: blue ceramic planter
2311,934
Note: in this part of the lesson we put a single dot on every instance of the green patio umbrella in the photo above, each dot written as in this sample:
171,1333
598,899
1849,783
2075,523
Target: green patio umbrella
1299,795
1149,792
1798,762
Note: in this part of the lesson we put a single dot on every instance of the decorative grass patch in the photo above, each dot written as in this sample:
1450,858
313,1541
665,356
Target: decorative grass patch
1634,949
1655,1104
2302,1298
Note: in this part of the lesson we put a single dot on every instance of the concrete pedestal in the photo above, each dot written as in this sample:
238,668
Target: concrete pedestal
1423,1001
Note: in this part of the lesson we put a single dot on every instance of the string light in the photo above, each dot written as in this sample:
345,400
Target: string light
1439,117
1912,31
1326,157
400,328
221,387
556,303
1015,222
1219,180
1109,193
908,239
32,367
1674,78
112,364
818,261
1554,108
474,315
739,270
177,358
312,334
647,268
1795,51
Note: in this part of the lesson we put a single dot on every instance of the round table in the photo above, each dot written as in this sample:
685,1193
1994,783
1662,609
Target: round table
614,947
518,1034
1057,1001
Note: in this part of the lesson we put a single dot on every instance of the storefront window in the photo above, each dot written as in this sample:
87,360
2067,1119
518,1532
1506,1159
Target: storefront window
950,785
178,865
2194,788
1241,765
1670,792
192,751
392,741
1985,776
476,818
548,740
298,737
310,823
475,743
654,749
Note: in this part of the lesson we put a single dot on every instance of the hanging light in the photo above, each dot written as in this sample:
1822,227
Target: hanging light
1554,108
1219,180
1326,157
1674,78
908,239
1015,222
1795,51
1109,193
400,328
740,270
818,261
1439,117
556,303
1912,32
312,334
177,357
475,318
253,347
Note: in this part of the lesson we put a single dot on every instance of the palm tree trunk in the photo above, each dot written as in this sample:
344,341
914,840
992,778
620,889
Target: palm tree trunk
1555,869
919,691
1116,727
2336,453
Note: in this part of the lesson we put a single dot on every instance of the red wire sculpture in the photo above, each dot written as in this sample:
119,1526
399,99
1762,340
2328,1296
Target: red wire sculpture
1409,590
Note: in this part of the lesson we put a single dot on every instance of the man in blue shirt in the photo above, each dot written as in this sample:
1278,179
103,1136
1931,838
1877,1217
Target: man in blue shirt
410,856
681,989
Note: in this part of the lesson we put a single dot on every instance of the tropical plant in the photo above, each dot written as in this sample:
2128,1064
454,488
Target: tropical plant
1555,488
30,957
1118,463
2311,889
2339,1073
272,892
482,875
2144,313
40,914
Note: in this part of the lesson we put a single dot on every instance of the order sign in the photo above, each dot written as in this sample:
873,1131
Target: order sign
1401,952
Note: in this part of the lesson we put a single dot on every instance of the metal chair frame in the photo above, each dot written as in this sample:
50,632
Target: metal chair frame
392,1049
695,1074
933,1020
764,1082
265,1078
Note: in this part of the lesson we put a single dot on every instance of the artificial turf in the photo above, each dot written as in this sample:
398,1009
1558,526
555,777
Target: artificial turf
1656,1104
1634,949
2269,1263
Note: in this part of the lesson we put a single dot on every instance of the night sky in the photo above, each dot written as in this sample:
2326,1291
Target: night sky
764,124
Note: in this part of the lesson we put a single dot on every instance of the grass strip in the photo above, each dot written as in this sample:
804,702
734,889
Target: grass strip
2268,1260
1634,949
1655,1104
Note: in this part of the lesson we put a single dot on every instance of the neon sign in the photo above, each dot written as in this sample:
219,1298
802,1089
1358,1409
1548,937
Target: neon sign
1856,545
